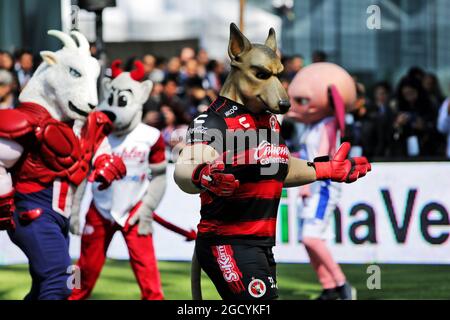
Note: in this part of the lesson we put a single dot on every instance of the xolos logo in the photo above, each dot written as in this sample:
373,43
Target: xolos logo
257,288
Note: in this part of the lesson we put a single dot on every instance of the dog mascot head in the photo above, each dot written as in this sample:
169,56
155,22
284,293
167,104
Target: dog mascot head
125,95
66,82
253,80
322,90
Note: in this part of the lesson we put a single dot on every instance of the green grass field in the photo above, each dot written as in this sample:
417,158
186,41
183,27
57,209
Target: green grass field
295,281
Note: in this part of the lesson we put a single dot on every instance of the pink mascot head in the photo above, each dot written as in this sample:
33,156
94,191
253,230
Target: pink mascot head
319,91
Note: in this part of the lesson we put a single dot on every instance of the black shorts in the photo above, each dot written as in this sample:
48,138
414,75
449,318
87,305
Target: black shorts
239,272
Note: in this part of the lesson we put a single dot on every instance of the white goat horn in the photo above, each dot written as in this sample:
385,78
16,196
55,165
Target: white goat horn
65,38
82,41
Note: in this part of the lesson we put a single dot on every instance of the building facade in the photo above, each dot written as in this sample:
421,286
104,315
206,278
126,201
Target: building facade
24,24
410,33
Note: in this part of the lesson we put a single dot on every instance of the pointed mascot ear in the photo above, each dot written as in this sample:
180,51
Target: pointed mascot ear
146,88
271,40
238,44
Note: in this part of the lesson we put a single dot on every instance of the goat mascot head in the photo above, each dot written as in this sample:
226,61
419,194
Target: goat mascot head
125,95
66,82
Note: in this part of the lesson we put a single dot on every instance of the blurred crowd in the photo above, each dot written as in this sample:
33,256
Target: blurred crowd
408,120
15,71
401,121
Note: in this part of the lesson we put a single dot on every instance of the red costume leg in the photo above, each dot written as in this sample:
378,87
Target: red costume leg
97,235
143,263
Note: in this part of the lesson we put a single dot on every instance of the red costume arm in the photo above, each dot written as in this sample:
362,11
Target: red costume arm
97,127
341,169
158,152
107,168
6,211
14,124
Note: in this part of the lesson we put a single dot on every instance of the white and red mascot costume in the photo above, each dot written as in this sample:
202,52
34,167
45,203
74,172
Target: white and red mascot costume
320,96
48,145
128,205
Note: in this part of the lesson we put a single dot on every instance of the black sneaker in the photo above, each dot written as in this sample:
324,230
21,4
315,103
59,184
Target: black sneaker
329,294
346,292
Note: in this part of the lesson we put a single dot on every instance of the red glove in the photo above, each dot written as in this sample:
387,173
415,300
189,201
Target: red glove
210,176
107,168
341,169
6,211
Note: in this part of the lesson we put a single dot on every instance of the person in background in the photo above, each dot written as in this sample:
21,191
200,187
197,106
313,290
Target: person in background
169,95
432,86
190,71
152,69
149,62
174,69
191,74
443,123
93,50
285,81
158,87
24,67
215,75
186,54
319,56
203,60
7,63
155,114
354,119
414,120
197,100
295,64
416,73
175,128
151,114
376,122
7,98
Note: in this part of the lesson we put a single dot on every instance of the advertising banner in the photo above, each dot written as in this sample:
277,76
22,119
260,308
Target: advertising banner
399,213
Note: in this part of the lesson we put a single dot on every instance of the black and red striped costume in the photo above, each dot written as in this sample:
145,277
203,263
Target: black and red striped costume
254,152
